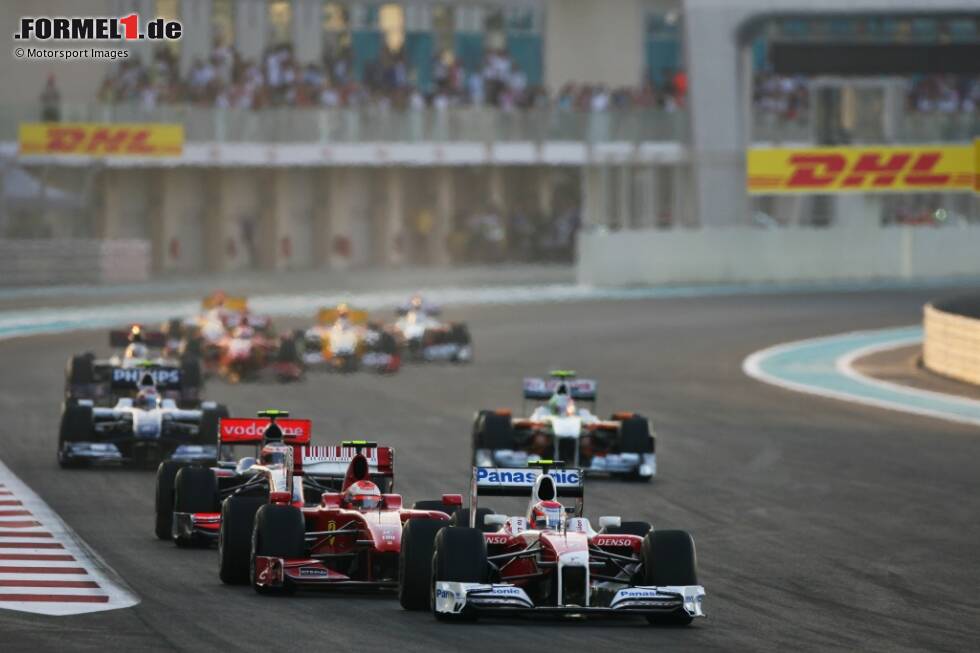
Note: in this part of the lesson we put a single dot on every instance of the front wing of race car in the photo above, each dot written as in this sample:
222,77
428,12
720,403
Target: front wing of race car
502,598
643,465
112,451
276,573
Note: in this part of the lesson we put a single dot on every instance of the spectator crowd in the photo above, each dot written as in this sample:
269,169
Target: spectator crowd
226,79
787,98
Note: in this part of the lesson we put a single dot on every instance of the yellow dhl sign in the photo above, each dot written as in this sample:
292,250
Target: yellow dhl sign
906,168
101,139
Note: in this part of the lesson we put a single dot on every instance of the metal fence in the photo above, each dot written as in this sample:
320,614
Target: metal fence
951,345
378,123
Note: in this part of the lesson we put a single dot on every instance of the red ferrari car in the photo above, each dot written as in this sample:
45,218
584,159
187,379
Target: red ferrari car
302,516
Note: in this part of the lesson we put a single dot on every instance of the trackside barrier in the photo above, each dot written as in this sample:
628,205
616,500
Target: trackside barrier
73,261
951,344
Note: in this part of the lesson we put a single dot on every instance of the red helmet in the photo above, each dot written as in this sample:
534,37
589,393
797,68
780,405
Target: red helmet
546,515
362,495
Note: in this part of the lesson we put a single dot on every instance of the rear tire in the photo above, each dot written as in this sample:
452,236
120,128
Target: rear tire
669,558
435,504
235,538
461,519
80,370
208,428
460,556
279,531
415,562
493,431
640,528
166,477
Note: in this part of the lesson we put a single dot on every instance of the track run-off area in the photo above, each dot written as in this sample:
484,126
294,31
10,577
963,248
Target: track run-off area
820,524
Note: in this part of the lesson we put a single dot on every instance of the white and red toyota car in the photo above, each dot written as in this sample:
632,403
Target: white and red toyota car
549,560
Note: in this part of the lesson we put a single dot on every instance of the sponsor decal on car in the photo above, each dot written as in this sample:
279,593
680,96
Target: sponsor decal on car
612,540
525,477
239,429
131,376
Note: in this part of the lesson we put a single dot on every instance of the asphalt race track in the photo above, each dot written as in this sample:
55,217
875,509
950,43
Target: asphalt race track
819,524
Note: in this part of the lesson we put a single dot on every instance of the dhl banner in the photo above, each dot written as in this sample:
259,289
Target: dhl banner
863,169
101,139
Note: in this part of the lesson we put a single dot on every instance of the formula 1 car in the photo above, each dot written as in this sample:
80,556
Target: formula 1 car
550,560
233,342
344,340
103,381
557,428
139,429
422,337
189,498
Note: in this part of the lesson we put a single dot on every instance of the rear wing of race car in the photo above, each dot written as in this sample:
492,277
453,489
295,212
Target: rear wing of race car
251,430
517,482
330,464
119,338
538,389
230,303
131,378
327,316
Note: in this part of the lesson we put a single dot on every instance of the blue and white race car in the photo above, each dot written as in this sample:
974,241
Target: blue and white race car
561,428
141,429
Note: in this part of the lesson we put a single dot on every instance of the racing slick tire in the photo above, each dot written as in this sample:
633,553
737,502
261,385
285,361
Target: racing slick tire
76,426
669,558
415,562
493,431
195,490
635,437
191,377
288,350
278,531
235,538
640,528
461,519
210,420
460,556
460,334
435,504
166,476
81,369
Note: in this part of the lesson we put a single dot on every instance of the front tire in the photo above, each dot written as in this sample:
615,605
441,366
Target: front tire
279,532
235,538
166,478
77,424
195,490
669,558
415,562
461,557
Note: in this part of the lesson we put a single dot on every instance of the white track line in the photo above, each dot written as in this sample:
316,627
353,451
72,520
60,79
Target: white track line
44,567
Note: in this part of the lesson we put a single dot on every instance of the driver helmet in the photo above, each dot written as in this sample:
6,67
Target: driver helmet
147,398
362,495
343,310
546,515
560,404
415,302
137,350
244,331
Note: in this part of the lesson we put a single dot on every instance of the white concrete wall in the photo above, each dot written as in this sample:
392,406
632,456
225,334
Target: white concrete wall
745,255
590,42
